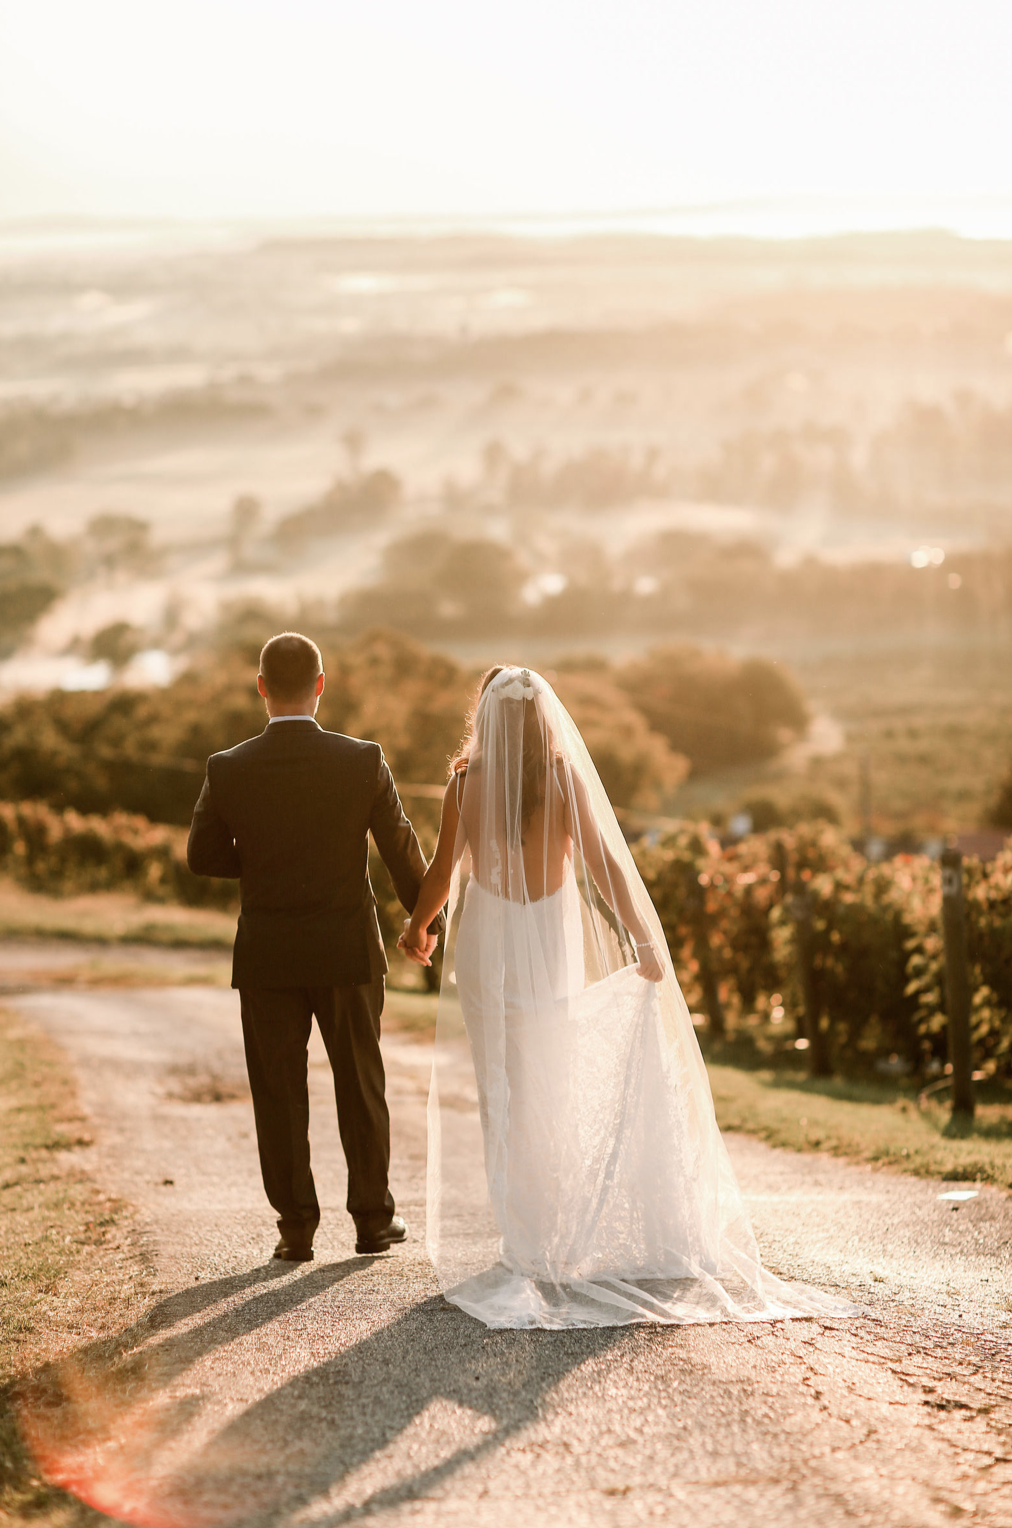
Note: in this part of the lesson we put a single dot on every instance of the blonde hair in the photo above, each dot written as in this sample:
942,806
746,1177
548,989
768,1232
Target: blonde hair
462,757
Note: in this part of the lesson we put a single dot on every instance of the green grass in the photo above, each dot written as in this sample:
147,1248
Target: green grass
115,969
111,918
39,1199
61,1267
867,1122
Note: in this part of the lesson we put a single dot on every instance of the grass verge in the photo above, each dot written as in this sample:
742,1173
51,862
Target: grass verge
67,1268
867,1122
116,971
111,917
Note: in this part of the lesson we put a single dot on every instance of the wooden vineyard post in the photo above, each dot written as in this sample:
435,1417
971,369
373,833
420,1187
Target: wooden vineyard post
800,906
696,904
957,982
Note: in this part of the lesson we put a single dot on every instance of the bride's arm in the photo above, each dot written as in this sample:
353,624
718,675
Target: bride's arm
609,878
435,887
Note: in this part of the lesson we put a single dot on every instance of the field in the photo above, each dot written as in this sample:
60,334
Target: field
534,447
930,733
112,918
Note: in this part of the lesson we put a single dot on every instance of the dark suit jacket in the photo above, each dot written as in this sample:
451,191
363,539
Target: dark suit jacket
290,813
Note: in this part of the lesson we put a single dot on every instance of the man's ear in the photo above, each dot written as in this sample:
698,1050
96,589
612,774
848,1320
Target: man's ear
261,686
321,684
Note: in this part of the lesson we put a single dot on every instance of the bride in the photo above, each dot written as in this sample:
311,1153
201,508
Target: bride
576,1173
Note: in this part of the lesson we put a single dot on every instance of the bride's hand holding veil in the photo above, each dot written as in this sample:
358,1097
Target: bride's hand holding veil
609,877
648,965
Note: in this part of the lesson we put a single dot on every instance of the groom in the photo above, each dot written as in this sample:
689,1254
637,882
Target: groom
290,813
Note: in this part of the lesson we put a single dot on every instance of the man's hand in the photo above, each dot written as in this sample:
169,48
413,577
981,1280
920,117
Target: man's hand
417,944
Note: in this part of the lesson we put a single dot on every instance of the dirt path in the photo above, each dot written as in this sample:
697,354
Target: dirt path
258,1393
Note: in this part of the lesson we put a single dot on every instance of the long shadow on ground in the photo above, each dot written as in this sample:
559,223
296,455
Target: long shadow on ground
101,1426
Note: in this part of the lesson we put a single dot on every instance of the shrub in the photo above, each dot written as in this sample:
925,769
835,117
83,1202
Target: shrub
860,945
637,767
66,852
714,709
876,939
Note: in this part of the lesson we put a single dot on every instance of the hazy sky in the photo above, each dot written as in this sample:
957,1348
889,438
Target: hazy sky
320,107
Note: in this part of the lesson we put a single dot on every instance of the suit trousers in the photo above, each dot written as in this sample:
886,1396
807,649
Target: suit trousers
276,1024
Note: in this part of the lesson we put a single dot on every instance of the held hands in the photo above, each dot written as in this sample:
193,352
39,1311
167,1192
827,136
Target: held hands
417,944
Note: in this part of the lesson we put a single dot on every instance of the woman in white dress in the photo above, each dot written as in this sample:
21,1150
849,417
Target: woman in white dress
576,1173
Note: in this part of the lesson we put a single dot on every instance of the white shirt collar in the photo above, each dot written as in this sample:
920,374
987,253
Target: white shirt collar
274,719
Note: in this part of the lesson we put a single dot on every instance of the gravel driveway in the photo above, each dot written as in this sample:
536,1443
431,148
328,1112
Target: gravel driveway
255,1392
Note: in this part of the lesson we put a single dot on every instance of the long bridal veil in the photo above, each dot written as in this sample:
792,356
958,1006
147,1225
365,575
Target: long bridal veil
576,1173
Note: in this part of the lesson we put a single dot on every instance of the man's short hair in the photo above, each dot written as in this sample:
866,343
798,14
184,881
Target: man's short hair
290,664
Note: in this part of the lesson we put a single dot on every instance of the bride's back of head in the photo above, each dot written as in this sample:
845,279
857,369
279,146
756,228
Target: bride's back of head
537,739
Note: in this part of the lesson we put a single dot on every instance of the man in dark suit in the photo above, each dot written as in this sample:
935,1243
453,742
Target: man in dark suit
290,813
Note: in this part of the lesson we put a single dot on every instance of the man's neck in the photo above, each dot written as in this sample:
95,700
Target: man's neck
306,709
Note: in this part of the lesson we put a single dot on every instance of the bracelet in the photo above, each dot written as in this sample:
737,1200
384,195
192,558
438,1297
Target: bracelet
647,944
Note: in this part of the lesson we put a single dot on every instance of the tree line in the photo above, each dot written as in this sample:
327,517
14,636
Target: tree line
648,722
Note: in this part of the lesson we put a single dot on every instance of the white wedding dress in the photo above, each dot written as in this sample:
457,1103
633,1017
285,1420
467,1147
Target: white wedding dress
576,1176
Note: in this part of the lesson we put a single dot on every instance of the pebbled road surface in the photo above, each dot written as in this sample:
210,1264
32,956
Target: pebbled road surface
259,1393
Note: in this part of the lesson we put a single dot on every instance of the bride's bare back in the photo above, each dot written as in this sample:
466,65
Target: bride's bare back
546,838
522,811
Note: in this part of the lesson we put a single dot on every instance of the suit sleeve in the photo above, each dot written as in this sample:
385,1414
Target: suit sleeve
396,841
210,848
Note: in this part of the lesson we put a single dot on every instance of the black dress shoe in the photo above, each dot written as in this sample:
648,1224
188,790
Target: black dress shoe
291,1251
382,1240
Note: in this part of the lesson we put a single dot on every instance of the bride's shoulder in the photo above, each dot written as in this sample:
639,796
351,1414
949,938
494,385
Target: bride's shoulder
470,768
455,785
464,770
